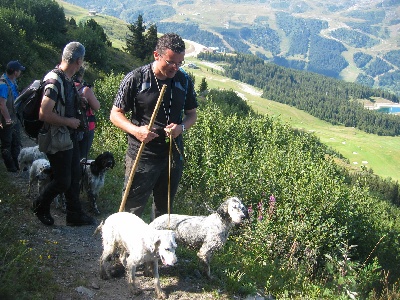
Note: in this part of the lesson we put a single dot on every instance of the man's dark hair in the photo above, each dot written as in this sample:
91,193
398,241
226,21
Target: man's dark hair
170,41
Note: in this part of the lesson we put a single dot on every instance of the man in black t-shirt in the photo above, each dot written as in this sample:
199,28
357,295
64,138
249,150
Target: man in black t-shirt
138,93
60,108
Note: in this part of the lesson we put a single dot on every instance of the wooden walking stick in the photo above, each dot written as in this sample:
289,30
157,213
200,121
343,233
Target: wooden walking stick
135,165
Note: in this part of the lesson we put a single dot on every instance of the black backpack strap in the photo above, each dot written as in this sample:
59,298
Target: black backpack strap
8,97
138,75
62,76
8,85
186,90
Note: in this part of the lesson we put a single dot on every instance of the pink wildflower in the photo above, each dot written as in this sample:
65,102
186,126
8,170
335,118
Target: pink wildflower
272,203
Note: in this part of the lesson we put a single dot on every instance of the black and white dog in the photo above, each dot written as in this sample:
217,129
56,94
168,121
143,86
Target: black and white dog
41,173
93,174
205,233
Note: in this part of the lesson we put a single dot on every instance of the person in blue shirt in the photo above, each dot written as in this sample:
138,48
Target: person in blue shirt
9,126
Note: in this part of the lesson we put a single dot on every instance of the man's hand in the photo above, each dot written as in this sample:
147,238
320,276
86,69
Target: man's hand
9,122
173,130
144,135
73,123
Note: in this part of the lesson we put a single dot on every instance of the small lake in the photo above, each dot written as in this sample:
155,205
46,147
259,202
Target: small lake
389,110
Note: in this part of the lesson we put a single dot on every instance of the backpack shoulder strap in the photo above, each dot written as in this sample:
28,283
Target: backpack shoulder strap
143,77
50,79
186,86
138,78
139,74
6,82
187,80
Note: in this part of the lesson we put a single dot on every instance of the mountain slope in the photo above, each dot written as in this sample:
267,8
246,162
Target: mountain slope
356,41
348,141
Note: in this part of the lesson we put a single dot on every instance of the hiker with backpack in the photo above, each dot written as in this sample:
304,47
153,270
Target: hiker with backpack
61,113
91,104
139,92
9,127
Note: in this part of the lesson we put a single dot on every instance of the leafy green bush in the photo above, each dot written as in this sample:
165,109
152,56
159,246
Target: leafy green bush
316,213
108,136
310,234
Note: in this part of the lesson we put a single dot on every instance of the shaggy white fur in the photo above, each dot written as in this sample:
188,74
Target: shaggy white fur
27,156
137,244
206,233
40,172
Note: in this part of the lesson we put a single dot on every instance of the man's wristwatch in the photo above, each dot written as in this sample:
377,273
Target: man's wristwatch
183,127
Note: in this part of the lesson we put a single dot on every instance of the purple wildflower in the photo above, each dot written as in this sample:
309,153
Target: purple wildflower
272,203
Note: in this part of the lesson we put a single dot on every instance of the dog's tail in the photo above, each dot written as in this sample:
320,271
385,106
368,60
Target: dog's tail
99,228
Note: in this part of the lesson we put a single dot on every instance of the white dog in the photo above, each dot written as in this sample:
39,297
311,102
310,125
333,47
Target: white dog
137,244
27,156
206,233
40,173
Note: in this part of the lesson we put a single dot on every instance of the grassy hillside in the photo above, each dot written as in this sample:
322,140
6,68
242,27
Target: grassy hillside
115,28
370,27
381,154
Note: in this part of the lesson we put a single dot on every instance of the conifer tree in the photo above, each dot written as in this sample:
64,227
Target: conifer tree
151,40
203,86
136,41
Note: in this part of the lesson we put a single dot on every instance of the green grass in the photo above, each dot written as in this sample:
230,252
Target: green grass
24,269
115,28
379,153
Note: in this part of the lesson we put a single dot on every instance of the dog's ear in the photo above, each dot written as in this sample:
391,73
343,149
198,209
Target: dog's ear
99,158
174,244
110,156
223,210
48,171
153,244
245,211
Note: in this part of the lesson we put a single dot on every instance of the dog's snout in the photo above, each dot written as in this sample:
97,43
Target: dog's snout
169,260
109,164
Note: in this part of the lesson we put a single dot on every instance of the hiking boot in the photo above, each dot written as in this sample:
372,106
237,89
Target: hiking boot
42,214
79,219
